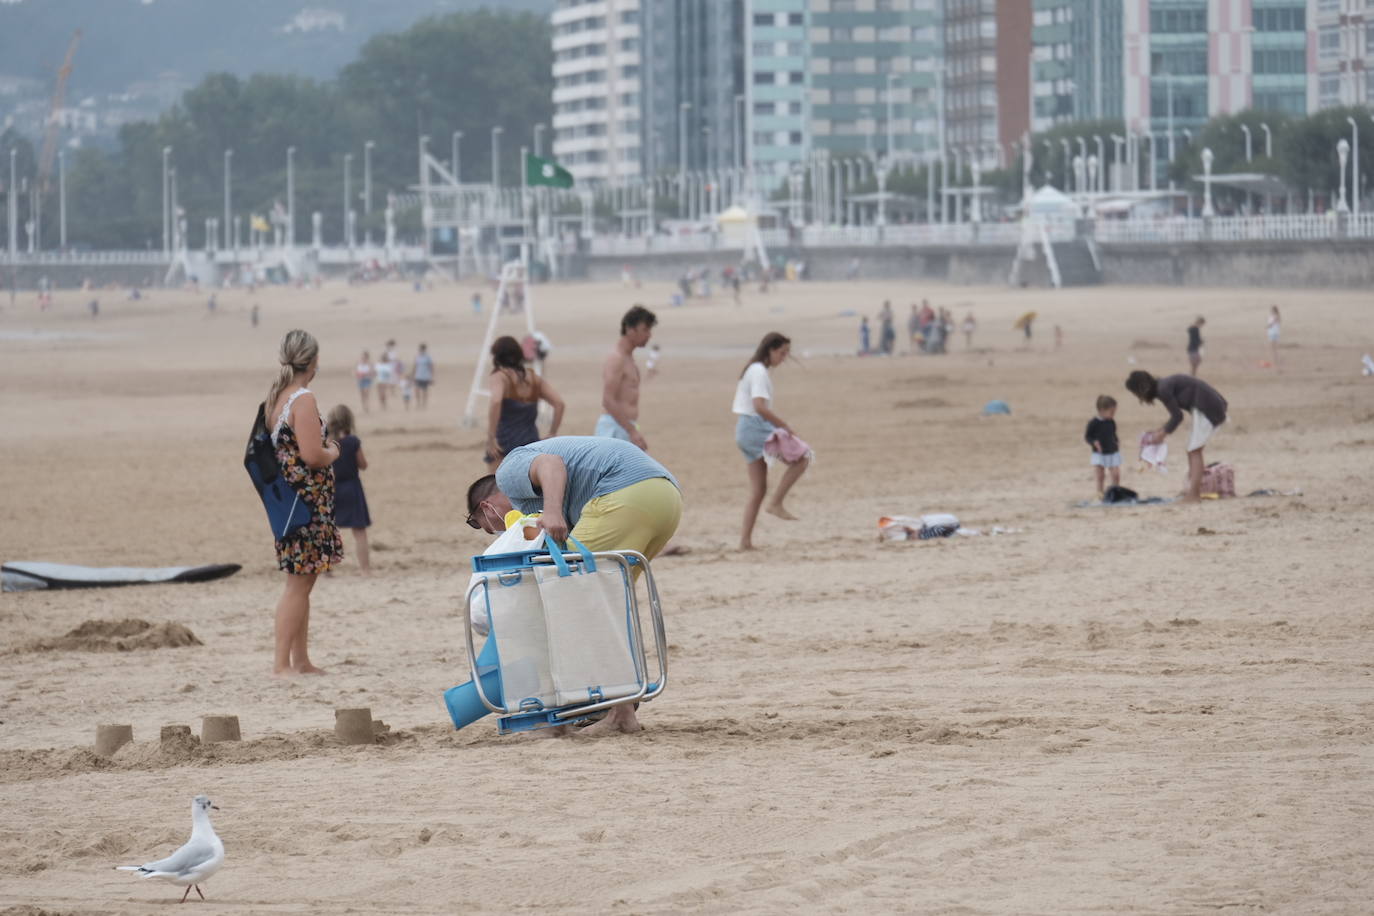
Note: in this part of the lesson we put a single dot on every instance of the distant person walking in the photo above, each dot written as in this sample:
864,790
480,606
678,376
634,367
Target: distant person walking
365,374
306,463
888,340
350,503
968,326
1179,393
515,396
754,407
620,379
423,373
1195,344
1272,332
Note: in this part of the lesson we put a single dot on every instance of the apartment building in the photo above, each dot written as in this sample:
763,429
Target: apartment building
1078,62
869,58
776,108
597,88
1189,60
694,84
1344,46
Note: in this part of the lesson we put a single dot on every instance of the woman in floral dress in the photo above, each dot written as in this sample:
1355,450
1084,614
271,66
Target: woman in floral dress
306,460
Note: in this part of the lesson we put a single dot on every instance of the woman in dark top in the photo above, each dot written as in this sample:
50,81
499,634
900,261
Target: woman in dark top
1195,343
350,504
515,396
1179,393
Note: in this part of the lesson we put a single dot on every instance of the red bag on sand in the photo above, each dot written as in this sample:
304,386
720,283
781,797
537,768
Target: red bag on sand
1220,479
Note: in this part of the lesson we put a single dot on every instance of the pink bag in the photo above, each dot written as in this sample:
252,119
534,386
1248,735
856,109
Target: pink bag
1220,479
785,447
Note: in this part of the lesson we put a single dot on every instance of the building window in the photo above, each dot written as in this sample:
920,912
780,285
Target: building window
1174,21
796,78
842,6
763,49
763,77
1281,19
1329,41
796,19
1280,61
795,108
1369,38
1183,63
763,138
841,33
1329,89
843,97
843,66
763,19
795,138
796,49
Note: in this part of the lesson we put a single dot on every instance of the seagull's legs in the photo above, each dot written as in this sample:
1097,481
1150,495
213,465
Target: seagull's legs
197,887
187,894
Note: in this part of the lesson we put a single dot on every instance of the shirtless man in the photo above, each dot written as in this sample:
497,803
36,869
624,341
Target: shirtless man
620,379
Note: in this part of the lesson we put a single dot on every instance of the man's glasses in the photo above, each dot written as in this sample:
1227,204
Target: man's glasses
474,520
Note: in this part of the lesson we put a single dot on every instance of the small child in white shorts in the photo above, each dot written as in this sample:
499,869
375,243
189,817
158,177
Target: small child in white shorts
1101,435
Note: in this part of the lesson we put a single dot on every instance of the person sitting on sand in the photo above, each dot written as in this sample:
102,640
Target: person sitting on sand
754,407
1179,393
608,493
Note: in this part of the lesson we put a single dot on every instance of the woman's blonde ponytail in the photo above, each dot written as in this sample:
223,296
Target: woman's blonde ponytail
298,350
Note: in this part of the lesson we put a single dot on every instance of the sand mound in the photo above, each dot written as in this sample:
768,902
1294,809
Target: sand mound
119,636
924,402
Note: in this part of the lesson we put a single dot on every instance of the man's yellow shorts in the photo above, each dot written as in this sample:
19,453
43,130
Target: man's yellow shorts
642,517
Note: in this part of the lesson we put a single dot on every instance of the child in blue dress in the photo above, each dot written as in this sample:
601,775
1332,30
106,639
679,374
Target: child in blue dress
350,504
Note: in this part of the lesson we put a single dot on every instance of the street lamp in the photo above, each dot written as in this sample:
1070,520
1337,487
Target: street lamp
348,198
1354,164
457,139
890,78
166,188
1064,142
1101,160
1343,150
538,139
1268,141
367,190
1245,129
228,160
1207,211
291,197
496,133
62,199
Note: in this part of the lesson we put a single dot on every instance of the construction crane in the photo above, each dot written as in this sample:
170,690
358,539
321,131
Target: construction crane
54,128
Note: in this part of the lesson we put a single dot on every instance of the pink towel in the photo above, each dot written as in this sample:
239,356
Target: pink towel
785,447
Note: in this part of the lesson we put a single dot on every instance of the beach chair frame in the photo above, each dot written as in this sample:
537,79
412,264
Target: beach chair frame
530,715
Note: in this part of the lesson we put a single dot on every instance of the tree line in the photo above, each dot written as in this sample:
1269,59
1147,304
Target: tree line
467,71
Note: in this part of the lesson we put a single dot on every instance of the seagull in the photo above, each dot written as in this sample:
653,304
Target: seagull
193,863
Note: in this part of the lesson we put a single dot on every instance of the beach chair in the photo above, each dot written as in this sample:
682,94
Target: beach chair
565,638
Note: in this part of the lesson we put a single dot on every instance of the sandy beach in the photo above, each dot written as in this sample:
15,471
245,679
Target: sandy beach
1154,709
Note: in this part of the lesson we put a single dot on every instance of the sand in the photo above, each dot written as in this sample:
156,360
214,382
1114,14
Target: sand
1158,709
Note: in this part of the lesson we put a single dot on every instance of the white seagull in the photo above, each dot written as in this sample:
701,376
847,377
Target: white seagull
193,863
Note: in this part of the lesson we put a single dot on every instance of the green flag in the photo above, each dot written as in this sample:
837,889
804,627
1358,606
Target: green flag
546,172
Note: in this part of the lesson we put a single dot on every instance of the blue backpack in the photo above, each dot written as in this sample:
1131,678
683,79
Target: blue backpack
287,513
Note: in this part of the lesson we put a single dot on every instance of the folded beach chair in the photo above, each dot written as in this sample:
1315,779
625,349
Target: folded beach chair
565,638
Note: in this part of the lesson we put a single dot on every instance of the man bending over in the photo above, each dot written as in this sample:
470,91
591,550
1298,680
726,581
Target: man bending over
608,493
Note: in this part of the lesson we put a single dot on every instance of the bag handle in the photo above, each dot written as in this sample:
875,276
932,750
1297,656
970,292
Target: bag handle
557,554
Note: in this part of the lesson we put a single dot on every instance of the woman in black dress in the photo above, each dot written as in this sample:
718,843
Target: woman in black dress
350,504
515,396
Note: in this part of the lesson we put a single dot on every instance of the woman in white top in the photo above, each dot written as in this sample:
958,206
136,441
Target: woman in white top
1273,333
754,406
